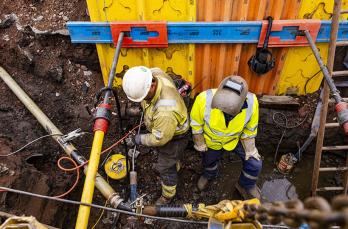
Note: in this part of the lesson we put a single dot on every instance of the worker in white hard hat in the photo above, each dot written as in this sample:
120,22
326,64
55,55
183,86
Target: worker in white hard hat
166,119
226,119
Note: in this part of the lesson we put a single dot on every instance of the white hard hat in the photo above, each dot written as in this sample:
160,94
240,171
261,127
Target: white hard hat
137,83
231,95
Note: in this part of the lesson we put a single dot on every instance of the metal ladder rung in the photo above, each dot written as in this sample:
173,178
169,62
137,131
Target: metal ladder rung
331,100
342,43
334,148
331,169
324,189
332,125
340,73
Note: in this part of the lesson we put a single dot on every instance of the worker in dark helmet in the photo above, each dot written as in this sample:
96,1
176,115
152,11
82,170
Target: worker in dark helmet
165,118
226,119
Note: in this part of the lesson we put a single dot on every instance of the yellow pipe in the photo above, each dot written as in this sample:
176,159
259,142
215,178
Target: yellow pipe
88,188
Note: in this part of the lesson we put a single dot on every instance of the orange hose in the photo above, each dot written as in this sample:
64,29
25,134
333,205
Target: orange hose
83,164
64,169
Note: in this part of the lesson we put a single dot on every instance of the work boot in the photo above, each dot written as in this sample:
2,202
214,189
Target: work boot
163,200
202,183
251,193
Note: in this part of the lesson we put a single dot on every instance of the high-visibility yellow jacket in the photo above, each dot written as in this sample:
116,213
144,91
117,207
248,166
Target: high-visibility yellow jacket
166,114
211,122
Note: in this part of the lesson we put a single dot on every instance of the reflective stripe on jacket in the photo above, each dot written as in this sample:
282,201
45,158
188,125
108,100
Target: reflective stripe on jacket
211,122
165,115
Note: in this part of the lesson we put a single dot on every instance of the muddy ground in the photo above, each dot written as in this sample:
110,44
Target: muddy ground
63,79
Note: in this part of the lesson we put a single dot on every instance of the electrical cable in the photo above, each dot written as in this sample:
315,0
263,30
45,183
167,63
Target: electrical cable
99,218
135,146
29,143
276,152
285,127
77,167
106,150
309,79
119,113
99,206
102,212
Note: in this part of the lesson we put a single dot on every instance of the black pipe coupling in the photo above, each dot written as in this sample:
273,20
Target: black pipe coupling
103,111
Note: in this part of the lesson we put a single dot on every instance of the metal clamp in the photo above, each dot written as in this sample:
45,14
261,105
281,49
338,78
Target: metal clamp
293,28
141,34
138,204
72,135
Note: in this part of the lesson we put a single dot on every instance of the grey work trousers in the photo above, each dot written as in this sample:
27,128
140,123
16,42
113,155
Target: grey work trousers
168,156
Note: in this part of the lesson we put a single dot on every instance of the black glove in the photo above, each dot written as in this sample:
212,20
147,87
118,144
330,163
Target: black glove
133,140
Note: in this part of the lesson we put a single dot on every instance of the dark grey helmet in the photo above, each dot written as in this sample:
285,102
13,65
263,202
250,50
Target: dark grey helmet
230,95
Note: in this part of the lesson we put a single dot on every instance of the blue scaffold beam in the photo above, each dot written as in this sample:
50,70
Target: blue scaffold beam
198,32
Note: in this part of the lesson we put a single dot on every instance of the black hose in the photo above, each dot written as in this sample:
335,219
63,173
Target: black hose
124,207
171,211
268,32
118,110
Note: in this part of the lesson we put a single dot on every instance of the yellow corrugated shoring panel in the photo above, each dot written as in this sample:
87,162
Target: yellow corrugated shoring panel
298,74
177,59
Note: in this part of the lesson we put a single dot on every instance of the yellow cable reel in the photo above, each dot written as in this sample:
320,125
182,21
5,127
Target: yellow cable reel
115,167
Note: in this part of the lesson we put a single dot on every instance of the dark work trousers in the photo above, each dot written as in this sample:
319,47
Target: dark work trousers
250,171
168,156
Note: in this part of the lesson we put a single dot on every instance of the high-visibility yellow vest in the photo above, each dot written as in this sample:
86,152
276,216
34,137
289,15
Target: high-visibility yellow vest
211,122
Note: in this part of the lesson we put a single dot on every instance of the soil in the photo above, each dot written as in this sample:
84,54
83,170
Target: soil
63,79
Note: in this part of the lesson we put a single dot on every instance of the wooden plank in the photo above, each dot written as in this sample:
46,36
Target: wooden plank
285,102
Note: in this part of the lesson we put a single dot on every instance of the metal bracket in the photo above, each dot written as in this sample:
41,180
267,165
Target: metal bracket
141,34
294,28
72,135
138,204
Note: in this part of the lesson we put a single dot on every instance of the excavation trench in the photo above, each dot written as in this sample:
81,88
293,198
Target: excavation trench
63,79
